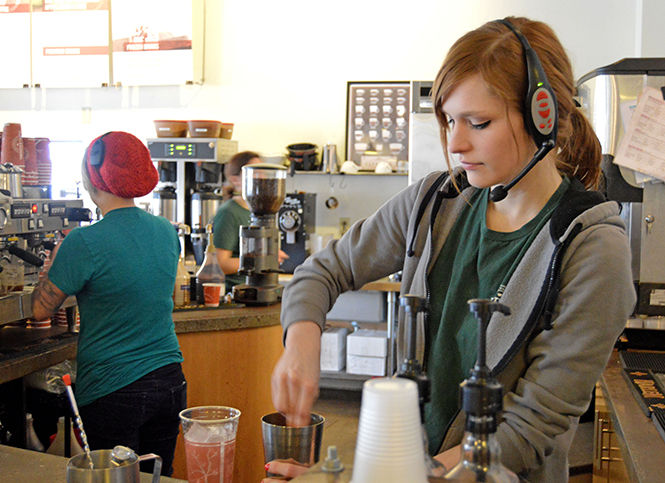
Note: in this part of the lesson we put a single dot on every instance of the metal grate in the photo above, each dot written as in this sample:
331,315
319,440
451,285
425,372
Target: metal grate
654,361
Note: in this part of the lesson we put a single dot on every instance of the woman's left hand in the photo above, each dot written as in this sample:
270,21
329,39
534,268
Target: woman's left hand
287,468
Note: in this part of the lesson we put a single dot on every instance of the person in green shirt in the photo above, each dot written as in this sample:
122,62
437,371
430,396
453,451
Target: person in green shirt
516,220
130,386
233,214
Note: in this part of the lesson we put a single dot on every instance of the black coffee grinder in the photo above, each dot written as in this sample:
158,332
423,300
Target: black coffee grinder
296,221
264,189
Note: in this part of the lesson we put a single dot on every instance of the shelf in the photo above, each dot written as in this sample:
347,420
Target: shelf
342,380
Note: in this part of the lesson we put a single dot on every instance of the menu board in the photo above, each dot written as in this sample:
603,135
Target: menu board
152,42
70,43
15,48
377,127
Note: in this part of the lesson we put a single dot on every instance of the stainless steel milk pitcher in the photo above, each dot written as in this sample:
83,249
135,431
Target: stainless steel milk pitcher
108,468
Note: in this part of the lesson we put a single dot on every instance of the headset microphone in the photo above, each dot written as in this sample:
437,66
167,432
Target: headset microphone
540,112
501,191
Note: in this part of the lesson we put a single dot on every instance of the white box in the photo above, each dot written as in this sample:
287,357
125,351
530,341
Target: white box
371,366
365,342
333,349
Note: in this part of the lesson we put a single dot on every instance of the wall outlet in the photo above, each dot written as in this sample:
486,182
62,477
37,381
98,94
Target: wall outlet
344,224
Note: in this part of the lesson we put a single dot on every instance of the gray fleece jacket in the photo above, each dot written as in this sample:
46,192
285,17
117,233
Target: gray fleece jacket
570,297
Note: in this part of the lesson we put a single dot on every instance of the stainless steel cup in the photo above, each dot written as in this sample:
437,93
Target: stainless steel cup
302,443
106,470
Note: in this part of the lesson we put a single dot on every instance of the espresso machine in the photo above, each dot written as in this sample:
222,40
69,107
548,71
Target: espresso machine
607,96
190,178
264,189
28,228
296,220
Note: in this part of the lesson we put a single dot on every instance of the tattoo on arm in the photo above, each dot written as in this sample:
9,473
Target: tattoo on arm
46,298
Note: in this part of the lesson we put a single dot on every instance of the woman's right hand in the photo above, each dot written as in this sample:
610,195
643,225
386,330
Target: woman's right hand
295,380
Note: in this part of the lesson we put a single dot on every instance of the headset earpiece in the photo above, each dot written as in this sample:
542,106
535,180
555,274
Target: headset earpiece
540,106
98,151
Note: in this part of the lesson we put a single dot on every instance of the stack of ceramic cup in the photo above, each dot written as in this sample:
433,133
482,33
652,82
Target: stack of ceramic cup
389,448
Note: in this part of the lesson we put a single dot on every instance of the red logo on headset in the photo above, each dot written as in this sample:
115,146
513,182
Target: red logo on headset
543,111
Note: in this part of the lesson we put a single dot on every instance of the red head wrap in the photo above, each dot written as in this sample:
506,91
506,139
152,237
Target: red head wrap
120,164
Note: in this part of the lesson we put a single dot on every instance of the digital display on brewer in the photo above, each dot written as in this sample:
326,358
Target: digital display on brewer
181,150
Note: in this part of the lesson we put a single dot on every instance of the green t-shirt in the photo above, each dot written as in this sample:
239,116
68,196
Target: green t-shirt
122,270
226,233
475,262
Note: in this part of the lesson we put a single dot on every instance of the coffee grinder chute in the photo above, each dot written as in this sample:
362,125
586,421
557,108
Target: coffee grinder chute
264,189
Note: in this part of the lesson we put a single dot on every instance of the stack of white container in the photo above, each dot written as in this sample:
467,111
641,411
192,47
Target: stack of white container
362,352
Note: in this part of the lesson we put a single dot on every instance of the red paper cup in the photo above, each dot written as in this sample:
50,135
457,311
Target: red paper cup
211,294
12,145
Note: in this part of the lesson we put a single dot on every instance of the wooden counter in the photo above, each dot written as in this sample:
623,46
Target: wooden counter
225,318
229,357
641,446
24,350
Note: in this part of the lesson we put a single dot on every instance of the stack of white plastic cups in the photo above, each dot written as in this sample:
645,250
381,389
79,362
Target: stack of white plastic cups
389,448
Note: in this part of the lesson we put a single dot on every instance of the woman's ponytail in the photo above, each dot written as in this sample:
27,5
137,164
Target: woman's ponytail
580,154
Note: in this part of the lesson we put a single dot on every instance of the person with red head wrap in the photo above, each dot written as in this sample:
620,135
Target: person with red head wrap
130,387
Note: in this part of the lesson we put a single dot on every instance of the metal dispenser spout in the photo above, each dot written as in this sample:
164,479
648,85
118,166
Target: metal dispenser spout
481,399
411,368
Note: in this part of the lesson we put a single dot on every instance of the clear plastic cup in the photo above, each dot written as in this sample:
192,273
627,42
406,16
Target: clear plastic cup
210,442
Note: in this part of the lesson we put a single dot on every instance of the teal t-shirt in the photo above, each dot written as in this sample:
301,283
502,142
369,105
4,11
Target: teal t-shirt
122,270
475,262
226,234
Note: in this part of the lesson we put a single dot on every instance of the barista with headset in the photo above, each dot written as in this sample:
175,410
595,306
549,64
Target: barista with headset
510,225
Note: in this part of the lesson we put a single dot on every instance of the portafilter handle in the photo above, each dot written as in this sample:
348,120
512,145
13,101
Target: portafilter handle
25,255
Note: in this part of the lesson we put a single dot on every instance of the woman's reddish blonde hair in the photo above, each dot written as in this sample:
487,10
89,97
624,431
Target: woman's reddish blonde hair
495,52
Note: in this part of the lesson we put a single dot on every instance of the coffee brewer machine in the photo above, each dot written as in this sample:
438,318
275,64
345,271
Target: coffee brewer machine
606,95
190,177
296,220
264,189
